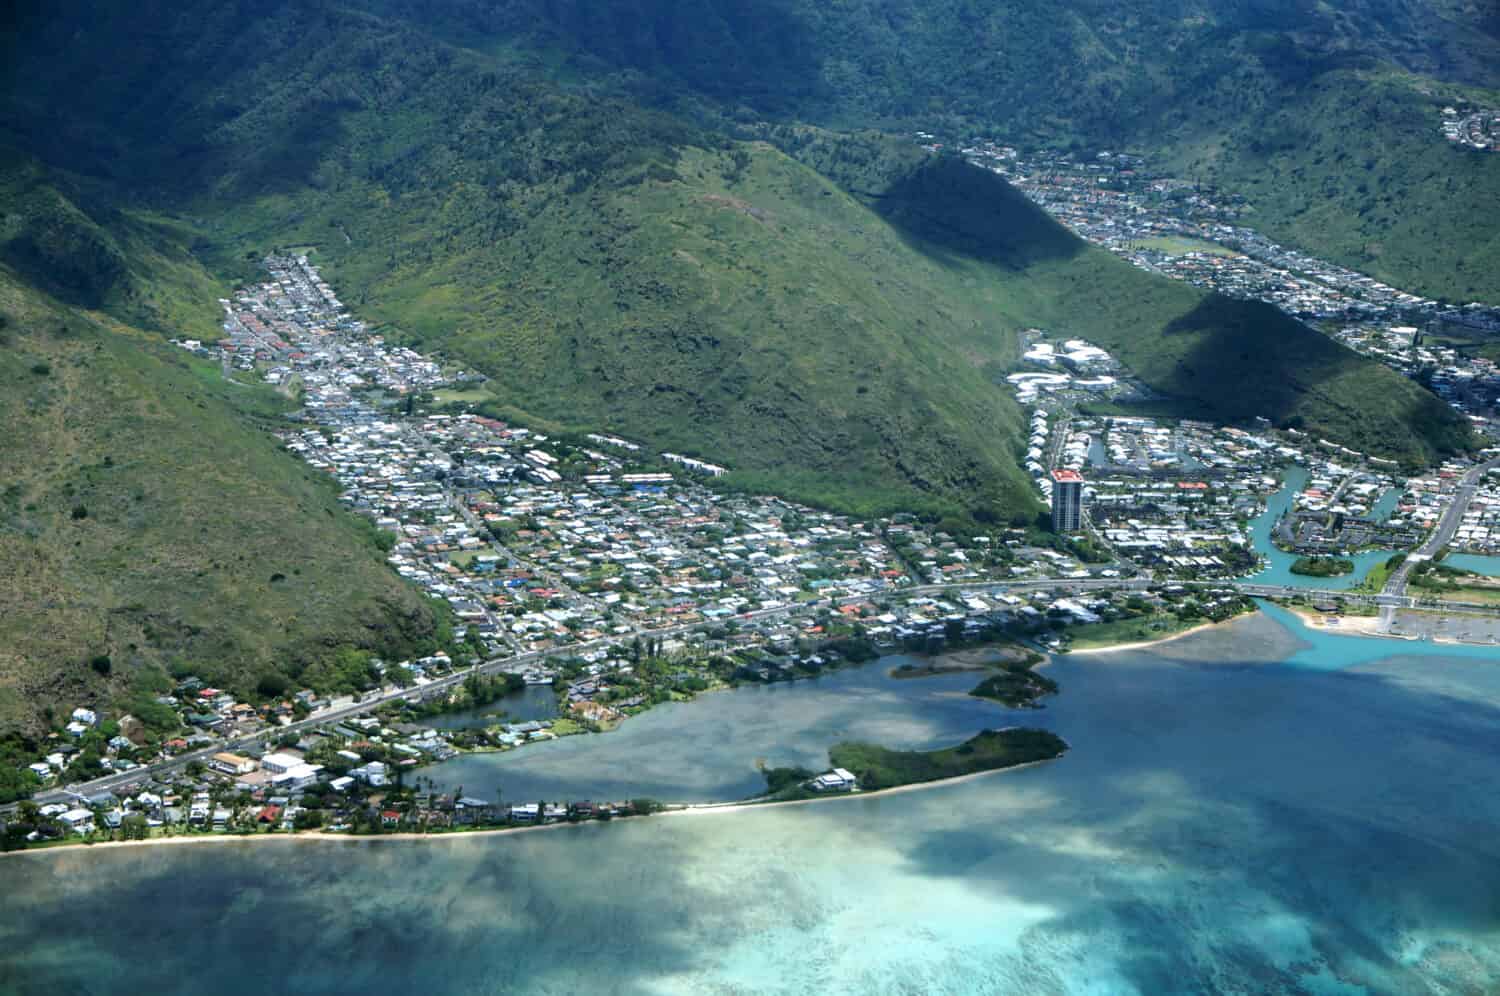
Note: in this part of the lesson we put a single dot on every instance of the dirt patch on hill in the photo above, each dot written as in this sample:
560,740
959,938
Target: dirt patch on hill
736,204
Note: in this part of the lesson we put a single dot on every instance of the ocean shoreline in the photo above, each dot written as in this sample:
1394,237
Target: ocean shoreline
1148,644
320,836
1347,625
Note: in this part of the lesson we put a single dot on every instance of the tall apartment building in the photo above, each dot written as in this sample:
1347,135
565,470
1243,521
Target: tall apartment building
1067,501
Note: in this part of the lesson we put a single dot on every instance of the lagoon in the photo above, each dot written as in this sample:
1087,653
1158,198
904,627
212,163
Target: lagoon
531,702
1256,808
1479,563
708,750
1279,563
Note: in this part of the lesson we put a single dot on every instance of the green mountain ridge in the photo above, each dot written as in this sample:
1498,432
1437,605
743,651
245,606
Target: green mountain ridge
830,315
150,525
619,267
1324,115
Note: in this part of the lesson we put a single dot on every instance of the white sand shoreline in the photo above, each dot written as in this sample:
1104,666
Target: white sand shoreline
318,836
1348,625
1146,644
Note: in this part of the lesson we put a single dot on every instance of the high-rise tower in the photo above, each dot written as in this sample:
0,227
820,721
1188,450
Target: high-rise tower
1067,501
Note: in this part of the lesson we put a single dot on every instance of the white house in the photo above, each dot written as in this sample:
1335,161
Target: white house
77,820
279,763
837,780
372,774
231,764
296,777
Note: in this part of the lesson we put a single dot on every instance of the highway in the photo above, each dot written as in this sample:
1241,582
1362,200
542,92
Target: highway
520,661
1446,527
1393,595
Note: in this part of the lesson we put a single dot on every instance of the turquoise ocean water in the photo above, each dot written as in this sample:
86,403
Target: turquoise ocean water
1255,809
1278,570
1479,563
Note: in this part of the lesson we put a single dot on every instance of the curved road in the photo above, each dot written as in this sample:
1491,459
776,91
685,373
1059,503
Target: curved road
519,661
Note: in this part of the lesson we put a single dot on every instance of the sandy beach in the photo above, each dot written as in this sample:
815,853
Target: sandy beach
1147,644
319,836
1352,625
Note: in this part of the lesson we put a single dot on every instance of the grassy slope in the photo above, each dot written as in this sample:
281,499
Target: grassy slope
845,349
73,240
1285,103
1356,166
190,510
1139,629
751,312
1212,357
614,266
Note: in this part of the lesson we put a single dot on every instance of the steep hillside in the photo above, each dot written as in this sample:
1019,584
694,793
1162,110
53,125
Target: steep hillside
1355,166
1324,115
1047,68
82,244
735,305
149,524
831,316
1209,356
615,266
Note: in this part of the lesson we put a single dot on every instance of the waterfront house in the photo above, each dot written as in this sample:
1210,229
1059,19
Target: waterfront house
837,780
77,820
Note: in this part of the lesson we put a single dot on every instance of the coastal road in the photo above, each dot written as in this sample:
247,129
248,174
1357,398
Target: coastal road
1395,585
519,662
1468,485
514,663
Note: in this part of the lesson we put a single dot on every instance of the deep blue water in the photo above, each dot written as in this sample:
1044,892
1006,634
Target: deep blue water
1256,809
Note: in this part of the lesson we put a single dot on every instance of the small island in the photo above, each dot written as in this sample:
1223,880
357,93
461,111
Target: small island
862,767
1017,685
877,767
1322,567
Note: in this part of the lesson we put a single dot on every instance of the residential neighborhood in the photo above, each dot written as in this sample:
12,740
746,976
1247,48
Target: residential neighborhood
613,578
1473,128
1181,229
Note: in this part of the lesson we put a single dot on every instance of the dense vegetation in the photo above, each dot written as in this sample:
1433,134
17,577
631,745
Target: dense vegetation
787,782
1322,567
1018,685
621,227
1352,165
836,336
1207,356
880,767
150,526
1324,115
